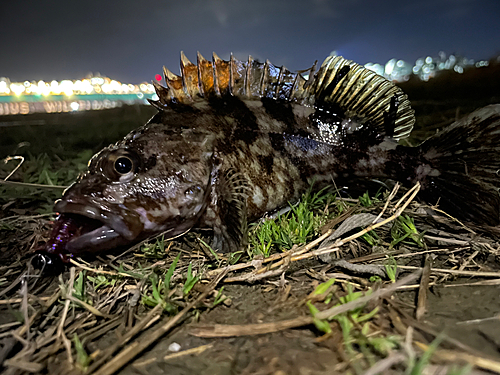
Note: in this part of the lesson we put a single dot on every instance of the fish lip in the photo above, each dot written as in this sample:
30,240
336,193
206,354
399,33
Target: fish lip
102,211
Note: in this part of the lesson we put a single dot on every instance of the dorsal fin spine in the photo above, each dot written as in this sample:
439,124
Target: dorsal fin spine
200,79
215,64
162,93
189,80
248,76
294,89
222,75
175,86
231,74
156,104
280,83
309,83
263,78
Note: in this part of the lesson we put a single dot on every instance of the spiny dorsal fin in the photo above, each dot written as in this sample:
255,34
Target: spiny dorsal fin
234,77
357,91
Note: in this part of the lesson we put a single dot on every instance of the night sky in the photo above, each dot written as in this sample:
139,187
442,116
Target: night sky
130,40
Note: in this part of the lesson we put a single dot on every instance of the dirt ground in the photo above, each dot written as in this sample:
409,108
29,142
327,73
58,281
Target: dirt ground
463,311
461,297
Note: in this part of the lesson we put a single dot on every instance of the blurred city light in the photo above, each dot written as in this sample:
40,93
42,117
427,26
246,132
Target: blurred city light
94,85
97,92
424,68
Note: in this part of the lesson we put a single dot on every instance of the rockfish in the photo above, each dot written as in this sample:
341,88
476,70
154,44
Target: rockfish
233,140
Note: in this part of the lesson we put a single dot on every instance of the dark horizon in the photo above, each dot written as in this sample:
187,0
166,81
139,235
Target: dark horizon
131,41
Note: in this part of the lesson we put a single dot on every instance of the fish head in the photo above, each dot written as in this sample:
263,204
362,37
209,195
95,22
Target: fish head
155,180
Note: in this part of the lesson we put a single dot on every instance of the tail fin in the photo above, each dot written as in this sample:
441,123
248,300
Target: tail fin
464,162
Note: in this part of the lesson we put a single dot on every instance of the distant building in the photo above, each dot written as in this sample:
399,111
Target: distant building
425,67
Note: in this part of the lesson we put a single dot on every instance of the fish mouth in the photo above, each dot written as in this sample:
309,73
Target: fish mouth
89,225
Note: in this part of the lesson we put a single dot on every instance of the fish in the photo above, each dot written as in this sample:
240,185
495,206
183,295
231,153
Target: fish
233,140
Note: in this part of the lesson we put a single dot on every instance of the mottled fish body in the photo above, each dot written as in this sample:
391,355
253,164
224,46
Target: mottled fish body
233,140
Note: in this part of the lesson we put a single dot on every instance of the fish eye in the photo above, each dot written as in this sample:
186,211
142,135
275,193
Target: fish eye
119,165
123,165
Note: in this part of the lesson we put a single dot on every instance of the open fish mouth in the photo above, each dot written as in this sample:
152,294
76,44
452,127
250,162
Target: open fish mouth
92,225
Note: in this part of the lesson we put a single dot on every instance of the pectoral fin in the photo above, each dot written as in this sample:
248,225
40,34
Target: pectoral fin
229,202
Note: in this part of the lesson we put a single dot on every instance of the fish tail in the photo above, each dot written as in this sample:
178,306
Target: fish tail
461,167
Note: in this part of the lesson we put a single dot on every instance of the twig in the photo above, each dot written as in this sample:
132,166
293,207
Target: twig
19,300
454,219
253,277
477,283
385,364
375,256
448,240
417,253
30,367
23,184
126,338
14,283
478,321
9,158
24,308
412,192
415,286
88,307
448,355
391,196
197,350
8,325
60,328
103,272
408,344
424,287
455,272
360,269
26,184
468,260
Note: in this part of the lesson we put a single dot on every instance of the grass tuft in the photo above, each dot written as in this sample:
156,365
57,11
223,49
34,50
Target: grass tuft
295,227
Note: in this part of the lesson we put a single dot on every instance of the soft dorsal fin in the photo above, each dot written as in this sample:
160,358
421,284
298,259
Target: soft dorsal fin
358,92
362,93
